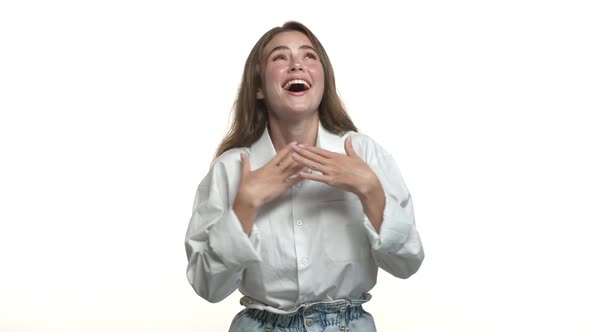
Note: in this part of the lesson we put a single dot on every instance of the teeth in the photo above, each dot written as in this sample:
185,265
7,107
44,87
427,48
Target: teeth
288,84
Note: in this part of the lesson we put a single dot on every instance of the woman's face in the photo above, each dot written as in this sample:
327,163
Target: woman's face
292,76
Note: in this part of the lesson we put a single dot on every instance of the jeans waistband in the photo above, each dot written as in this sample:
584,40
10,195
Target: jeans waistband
321,306
339,313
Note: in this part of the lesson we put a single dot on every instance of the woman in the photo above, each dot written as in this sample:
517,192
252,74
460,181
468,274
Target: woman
298,210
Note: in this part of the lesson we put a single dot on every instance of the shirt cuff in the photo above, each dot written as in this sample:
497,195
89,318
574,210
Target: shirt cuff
395,228
229,242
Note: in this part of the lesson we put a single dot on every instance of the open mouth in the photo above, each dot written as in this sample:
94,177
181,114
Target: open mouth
296,86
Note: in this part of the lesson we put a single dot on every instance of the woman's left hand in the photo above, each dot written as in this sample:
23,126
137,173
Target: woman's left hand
348,172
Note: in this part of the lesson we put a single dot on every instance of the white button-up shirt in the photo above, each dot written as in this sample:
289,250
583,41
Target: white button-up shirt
313,243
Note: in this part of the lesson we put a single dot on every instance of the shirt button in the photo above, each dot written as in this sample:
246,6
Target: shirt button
308,322
299,222
304,261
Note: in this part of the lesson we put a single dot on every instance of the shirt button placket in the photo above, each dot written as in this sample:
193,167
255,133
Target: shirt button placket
303,258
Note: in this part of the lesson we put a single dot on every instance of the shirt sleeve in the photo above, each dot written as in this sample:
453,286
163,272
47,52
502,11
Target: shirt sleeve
217,248
397,247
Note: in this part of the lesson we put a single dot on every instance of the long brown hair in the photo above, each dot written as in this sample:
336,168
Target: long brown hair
250,115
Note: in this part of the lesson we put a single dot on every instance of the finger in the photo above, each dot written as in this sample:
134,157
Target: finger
314,177
324,153
348,147
293,167
308,163
311,155
289,165
283,154
293,180
245,163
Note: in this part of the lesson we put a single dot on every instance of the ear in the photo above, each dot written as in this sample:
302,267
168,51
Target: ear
259,94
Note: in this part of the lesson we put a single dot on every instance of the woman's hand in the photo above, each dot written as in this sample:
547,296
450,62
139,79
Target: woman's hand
347,172
264,184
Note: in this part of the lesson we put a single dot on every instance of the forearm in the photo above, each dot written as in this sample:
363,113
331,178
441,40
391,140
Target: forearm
246,213
373,200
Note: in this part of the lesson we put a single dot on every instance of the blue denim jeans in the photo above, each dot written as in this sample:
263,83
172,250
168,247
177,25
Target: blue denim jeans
335,316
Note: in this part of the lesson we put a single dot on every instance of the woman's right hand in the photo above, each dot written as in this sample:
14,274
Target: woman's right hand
264,184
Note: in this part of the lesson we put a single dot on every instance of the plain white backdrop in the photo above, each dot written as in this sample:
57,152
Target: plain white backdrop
110,112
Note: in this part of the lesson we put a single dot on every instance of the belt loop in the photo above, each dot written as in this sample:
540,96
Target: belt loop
342,317
268,326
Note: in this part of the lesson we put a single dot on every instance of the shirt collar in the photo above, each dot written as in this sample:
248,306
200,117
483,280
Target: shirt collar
262,151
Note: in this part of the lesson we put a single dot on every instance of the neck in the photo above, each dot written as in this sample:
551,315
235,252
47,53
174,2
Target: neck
303,131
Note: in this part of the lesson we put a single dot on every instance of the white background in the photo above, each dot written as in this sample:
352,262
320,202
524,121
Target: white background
110,112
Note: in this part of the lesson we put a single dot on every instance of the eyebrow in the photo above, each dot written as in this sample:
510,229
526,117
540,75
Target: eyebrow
282,47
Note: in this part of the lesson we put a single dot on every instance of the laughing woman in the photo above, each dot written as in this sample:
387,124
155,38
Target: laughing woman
298,210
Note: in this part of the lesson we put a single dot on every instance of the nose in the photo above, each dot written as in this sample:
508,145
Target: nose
295,66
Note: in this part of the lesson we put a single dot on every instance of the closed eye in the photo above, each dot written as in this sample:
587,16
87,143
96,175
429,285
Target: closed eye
279,57
311,56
